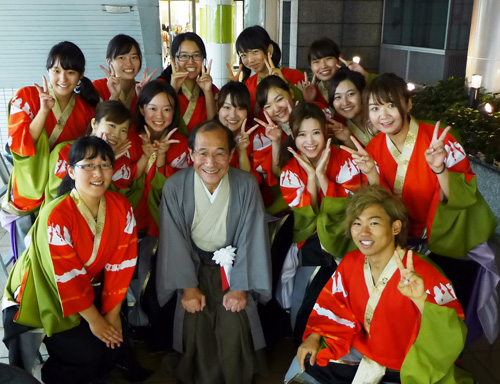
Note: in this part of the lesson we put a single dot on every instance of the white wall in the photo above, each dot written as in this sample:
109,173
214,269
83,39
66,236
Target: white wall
29,28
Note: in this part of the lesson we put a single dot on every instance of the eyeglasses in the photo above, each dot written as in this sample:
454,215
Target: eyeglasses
92,167
216,156
186,57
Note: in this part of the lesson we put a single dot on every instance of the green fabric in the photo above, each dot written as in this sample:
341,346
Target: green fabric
432,357
134,191
53,181
329,222
31,172
40,305
464,222
278,205
298,96
154,197
331,226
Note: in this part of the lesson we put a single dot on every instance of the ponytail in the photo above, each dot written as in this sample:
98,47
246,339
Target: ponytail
284,154
87,92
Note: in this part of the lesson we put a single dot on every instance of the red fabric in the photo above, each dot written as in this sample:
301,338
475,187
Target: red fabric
25,106
101,85
396,321
200,113
70,243
421,188
343,175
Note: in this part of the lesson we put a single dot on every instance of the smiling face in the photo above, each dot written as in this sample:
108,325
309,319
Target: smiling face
373,232
278,105
189,47
310,139
113,133
211,157
255,60
385,117
127,65
63,81
347,100
92,184
324,68
158,113
230,116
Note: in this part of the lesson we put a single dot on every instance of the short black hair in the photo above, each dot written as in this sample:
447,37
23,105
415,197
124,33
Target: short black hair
211,125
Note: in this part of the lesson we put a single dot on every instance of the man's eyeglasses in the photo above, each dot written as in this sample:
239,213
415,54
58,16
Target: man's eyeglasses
186,57
92,167
206,155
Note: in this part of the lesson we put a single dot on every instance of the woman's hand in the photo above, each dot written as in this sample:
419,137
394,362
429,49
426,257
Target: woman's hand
205,80
272,70
304,162
353,66
145,79
147,147
177,78
360,157
234,76
119,150
273,131
341,132
323,161
436,153
163,145
411,284
243,139
309,346
47,102
309,91
114,83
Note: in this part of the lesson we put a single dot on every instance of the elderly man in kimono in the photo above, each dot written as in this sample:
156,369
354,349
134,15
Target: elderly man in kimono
214,251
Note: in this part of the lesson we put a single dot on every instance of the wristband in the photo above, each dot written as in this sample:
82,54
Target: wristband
438,173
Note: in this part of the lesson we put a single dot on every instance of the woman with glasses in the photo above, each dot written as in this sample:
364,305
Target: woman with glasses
190,78
73,277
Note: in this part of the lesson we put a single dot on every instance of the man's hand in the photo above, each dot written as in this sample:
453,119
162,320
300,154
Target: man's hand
309,346
235,301
193,300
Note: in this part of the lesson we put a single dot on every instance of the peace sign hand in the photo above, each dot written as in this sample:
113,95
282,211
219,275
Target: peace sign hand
304,162
360,157
205,80
163,145
436,153
309,90
145,79
234,76
411,284
147,147
177,78
47,102
322,164
340,131
273,131
114,83
272,70
243,139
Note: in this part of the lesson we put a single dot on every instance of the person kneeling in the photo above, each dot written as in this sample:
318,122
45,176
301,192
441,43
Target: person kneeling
386,315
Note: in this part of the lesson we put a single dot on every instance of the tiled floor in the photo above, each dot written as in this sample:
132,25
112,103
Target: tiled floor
480,358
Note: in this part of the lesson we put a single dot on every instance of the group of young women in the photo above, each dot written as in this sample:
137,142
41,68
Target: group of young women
95,156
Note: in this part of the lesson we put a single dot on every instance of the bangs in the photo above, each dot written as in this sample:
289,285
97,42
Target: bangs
68,56
323,48
250,39
90,147
238,94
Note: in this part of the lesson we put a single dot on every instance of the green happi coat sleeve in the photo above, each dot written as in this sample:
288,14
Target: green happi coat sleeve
53,182
134,191
463,222
440,340
40,305
154,197
331,226
31,174
329,222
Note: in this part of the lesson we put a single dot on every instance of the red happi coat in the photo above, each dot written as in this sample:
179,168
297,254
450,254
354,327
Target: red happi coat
340,314
24,107
420,190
